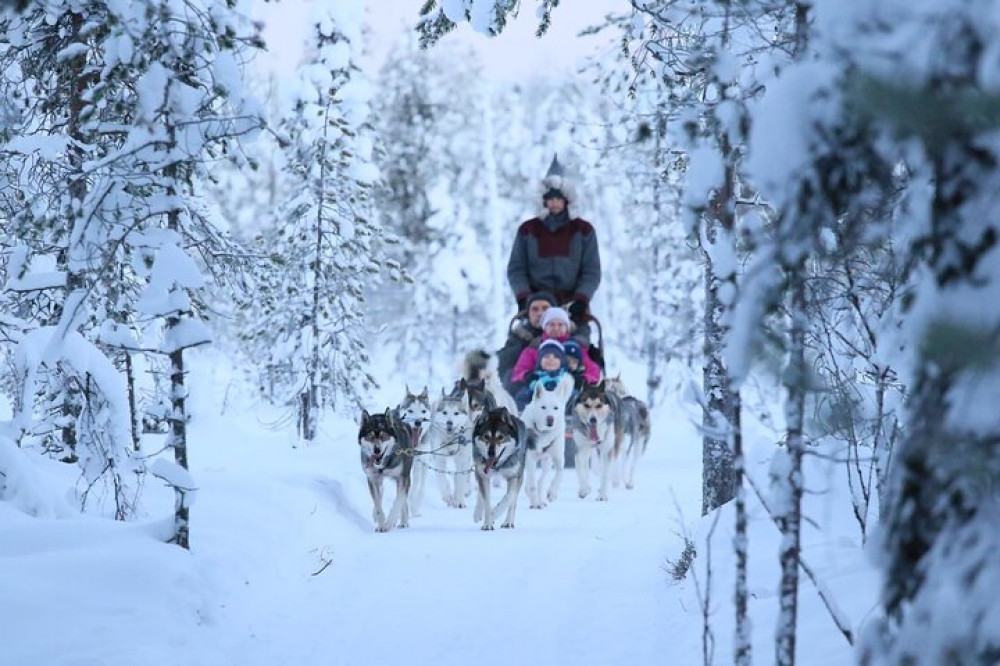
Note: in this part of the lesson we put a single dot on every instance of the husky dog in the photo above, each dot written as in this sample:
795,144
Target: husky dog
616,385
499,447
479,375
448,438
545,419
597,431
634,416
635,432
384,442
415,412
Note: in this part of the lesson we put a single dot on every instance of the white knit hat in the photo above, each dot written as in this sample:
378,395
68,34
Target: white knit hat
555,314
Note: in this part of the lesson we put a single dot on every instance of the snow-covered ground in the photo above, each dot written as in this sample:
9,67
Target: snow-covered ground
285,567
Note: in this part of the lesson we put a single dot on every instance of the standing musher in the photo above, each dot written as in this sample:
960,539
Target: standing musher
557,253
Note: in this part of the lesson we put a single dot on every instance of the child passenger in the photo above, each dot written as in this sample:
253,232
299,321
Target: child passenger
550,367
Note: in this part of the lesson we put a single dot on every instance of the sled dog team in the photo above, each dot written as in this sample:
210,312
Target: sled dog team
476,427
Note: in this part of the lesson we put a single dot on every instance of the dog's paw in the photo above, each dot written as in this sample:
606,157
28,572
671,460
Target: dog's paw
583,492
381,528
552,495
602,497
487,527
629,485
507,525
461,505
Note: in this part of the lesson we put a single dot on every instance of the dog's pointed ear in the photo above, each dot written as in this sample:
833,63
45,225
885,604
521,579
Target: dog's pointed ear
365,416
424,393
408,391
388,412
464,385
600,387
539,390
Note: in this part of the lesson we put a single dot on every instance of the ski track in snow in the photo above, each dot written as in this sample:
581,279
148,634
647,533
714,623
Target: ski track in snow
579,582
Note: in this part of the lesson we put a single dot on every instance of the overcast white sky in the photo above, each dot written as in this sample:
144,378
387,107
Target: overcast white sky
515,55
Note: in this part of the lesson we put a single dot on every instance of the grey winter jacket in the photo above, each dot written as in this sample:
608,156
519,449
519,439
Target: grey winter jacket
564,260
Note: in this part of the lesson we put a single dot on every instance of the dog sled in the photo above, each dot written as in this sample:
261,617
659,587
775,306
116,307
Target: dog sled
595,348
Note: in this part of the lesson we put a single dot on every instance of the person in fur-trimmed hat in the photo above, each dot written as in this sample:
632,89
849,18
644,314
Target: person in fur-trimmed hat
556,252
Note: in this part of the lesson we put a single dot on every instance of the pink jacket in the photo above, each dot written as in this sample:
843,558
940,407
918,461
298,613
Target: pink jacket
526,362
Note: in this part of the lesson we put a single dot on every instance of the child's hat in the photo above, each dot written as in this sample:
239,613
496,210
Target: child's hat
573,348
554,348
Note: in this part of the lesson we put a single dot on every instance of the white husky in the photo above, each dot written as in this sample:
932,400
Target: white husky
545,418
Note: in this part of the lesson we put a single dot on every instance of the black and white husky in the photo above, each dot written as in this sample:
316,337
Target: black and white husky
385,452
499,448
545,419
597,431
415,412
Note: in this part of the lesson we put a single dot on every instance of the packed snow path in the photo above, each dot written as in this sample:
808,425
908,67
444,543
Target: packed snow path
580,582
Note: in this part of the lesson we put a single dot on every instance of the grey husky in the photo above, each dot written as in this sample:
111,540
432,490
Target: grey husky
446,451
499,448
635,425
385,452
415,412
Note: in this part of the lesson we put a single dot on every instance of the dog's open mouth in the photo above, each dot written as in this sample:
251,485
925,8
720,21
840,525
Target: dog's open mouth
376,457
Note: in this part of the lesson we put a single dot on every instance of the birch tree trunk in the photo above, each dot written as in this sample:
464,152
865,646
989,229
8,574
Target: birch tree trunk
787,472
177,437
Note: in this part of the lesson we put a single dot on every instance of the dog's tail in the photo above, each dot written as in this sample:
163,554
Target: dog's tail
477,366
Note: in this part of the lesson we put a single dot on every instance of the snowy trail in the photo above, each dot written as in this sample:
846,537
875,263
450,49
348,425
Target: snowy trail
580,582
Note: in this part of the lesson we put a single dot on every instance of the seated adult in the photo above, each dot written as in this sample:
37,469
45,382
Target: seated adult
524,330
556,325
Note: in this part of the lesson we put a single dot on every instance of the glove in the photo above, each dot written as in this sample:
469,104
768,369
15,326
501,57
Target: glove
577,310
522,303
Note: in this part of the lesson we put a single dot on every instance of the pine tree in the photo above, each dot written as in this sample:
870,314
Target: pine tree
327,252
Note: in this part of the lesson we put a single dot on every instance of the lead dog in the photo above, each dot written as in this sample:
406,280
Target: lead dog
499,448
384,443
545,419
597,431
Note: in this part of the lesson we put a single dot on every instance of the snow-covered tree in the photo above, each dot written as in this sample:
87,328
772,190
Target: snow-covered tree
323,247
